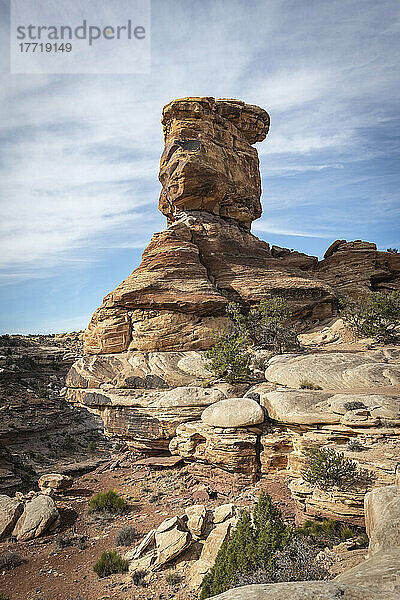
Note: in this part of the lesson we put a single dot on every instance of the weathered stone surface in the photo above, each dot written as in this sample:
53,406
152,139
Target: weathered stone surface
382,518
232,449
380,575
208,162
334,370
345,506
55,481
176,298
304,590
10,511
171,538
146,418
39,516
211,546
308,407
139,370
223,512
196,515
233,412
355,268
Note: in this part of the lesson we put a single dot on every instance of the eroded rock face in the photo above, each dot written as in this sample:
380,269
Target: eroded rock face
176,298
356,268
10,511
232,449
233,412
382,518
208,161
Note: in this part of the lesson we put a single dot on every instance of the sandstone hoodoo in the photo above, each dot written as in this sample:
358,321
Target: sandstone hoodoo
211,190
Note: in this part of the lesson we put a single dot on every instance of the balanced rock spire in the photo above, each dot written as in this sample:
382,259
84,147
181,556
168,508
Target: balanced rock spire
176,298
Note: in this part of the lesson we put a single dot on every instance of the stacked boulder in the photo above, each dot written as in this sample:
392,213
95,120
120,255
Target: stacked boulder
193,539
27,517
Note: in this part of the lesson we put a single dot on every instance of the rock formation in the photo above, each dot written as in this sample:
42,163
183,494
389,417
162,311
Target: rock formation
143,371
176,298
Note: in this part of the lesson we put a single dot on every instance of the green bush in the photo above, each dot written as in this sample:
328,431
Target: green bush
326,469
264,326
92,446
327,533
107,502
110,562
376,316
251,546
229,358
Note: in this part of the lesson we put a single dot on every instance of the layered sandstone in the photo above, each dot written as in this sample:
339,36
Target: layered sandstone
357,268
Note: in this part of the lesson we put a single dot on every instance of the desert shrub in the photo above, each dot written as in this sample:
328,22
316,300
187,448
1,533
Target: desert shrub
4,596
110,562
229,358
354,446
67,541
392,250
174,579
326,469
9,560
138,578
309,385
251,546
327,532
376,316
265,325
107,502
354,405
92,446
297,562
156,497
126,536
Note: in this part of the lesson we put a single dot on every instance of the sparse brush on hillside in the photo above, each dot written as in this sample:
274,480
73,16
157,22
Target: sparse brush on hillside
266,325
376,316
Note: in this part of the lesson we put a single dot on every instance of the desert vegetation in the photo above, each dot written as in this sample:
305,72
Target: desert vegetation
110,562
264,326
327,469
107,503
376,316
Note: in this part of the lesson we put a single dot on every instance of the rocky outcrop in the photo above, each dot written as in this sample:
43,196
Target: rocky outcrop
234,412
357,268
54,482
366,427
208,161
233,449
382,518
39,431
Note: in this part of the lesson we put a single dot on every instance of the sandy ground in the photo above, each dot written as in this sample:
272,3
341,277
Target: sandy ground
68,574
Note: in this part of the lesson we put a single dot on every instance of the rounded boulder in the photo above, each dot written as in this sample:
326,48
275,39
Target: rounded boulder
233,412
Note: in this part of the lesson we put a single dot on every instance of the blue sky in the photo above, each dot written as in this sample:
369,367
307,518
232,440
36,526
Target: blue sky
79,153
